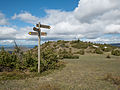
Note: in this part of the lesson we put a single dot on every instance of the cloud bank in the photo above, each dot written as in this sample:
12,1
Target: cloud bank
91,20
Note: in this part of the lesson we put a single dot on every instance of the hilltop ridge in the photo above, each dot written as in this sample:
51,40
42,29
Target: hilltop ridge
72,49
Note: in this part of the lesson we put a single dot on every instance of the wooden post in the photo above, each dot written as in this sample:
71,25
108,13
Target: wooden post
39,35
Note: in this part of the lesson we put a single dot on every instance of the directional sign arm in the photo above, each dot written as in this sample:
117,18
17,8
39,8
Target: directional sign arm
33,33
43,33
35,29
44,26
36,33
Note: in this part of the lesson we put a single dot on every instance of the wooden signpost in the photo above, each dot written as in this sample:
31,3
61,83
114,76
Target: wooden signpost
39,33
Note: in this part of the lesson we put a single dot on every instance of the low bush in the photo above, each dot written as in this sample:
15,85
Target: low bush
81,52
48,60
29,60
80,45
8,60
98,51
69,56
115,52
62,45
54,45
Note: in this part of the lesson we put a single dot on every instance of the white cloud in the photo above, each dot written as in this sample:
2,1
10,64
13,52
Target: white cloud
112,29
4,42
3,20
26,17
22,34
109,39
7,33
90,9
90,20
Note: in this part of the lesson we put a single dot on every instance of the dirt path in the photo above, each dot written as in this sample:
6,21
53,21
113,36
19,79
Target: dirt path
83,74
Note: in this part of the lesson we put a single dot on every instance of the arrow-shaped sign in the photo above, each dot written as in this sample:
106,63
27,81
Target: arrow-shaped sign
43,33
43,26
33,33
36,33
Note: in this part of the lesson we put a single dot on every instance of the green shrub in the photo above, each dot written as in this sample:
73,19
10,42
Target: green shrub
66,46
108,49
98,51
69,56
48,60
70,51
81,52
35,47
62,45
80,45
75,57
59,41
7,59
54,45
65,54
115,52
29,60
75,41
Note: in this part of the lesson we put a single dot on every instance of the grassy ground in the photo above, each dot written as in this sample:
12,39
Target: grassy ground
86,73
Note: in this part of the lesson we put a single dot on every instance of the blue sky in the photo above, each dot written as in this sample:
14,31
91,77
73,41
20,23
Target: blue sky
88,20
35,7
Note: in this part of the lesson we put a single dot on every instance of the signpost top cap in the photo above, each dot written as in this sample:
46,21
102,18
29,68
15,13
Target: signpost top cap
37,25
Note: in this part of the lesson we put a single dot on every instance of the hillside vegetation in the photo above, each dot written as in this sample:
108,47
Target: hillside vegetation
89,72
89,66
19,65
72,49
51,54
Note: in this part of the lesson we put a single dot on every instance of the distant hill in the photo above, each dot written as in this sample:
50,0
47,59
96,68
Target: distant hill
115,44
23,48
10,47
